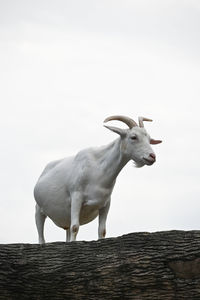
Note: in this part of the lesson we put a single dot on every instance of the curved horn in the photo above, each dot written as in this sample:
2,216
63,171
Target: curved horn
128,121
141,119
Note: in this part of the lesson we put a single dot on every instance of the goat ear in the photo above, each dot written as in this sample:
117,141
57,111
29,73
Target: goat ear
117,130
155,142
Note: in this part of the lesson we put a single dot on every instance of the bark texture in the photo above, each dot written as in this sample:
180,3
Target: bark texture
161,265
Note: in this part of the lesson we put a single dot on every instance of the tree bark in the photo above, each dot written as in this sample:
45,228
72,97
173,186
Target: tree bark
161,265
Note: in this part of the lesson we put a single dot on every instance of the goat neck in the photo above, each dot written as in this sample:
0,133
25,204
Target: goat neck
112,161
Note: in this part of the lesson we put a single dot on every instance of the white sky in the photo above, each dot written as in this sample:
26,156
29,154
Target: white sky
65,67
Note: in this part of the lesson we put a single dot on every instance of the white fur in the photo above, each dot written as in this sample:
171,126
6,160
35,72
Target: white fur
73,191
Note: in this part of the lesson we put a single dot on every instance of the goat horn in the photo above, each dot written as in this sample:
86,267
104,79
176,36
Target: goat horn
128,121
141,119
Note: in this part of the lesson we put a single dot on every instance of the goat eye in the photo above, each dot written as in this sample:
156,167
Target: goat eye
133,137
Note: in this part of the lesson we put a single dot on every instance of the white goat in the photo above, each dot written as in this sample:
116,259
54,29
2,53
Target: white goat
74,191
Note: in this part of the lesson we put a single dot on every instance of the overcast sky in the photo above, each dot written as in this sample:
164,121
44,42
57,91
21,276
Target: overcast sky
67,65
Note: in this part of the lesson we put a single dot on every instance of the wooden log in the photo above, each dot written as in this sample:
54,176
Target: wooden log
161,265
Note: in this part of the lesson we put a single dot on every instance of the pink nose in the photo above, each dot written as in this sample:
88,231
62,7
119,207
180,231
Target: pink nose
152,155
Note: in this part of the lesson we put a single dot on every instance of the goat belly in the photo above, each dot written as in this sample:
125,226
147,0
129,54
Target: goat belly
88,213
60,215
90,209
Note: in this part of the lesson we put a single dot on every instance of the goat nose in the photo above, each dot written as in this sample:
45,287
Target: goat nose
152,155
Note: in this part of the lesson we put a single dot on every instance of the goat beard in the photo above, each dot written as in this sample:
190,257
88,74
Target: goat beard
138,164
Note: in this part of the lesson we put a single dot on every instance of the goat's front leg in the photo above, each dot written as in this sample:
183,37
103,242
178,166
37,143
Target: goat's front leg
103,212
68,235
76,204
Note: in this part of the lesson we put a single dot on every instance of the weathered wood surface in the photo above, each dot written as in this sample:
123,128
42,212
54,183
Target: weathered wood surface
162,265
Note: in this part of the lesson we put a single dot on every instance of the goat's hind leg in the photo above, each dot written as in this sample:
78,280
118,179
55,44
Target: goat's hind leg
39,220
